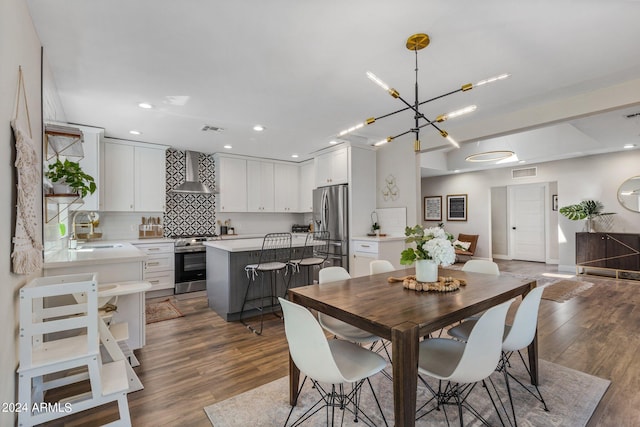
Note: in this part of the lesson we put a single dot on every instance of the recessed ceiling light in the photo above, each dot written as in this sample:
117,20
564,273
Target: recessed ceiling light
629,145
258,128
333,142
456,171
522,161
228,147
295,156
145,105
135,132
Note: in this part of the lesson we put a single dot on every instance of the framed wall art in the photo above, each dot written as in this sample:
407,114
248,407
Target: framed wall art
433,208
456,207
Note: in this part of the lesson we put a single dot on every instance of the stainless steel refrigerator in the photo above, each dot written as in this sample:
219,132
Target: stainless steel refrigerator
330,213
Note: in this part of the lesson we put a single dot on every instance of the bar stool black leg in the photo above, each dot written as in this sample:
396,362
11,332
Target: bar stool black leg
261,308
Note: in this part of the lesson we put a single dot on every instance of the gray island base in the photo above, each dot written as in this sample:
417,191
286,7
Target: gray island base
227,280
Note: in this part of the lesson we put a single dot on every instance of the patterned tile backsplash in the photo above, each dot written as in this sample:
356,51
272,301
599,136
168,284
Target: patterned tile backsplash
189,214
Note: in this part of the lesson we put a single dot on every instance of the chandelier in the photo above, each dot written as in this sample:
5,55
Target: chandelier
415,43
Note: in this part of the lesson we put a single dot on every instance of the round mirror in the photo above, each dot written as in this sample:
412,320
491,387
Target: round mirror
629,194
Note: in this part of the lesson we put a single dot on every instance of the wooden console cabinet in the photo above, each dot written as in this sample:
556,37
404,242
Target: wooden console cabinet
616,252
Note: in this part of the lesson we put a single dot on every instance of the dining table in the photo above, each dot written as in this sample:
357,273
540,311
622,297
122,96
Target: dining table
404,317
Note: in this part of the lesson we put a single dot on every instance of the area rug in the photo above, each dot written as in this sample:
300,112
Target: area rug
162,310
571,396
564,290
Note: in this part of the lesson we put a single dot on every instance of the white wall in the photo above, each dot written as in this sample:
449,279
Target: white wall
398,160
19,46
592,177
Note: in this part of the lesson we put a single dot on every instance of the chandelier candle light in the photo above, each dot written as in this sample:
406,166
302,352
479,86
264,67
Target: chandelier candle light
415,43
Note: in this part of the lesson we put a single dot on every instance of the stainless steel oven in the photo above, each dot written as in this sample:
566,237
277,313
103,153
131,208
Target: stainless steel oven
190,264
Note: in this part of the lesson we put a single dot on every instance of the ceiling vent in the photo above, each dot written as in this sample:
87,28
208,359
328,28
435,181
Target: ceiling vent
206,128
524,172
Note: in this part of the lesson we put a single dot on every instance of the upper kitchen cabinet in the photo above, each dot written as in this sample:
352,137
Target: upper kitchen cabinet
133,177
231,183
286,185
332,167
90,164
260,190
150,174
307,184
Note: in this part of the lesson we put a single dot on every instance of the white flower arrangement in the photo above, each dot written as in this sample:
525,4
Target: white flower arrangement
431,243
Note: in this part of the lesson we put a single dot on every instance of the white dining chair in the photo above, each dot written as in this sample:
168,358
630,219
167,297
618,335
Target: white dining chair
378,266
463,364
517,336
481,266
332,362
338,327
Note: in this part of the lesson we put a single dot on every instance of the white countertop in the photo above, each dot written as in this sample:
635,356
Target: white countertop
379,239
108,290
92,253
151,240
243,245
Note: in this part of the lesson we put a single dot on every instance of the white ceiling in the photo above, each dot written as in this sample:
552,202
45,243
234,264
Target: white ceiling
298,68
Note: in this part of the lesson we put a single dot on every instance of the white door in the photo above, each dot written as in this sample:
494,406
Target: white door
527,222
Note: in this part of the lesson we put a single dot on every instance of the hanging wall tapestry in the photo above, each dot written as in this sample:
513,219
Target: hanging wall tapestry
27,245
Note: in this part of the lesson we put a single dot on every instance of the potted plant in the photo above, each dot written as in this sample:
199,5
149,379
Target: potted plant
433,248
586,209
375,228
70,174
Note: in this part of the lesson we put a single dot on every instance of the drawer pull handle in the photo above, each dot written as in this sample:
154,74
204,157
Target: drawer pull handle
151,264
154,282
365,246
153,249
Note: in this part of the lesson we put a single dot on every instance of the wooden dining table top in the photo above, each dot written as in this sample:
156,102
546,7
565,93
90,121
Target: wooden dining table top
375,305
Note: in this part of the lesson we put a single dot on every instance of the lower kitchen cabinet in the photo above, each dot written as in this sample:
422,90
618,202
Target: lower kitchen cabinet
366,250
159,268
131,307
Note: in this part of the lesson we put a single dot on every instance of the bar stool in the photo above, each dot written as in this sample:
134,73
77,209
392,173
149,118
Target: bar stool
314,253
274,257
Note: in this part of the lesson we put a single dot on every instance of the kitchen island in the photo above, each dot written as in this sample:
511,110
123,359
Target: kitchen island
227,280
118,263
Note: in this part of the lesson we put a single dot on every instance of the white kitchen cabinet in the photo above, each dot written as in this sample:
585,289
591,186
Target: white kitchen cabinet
131,308
332,167
366,250
231,183
305,202
159,268
286,185
150,174
90,164
260,190
133,177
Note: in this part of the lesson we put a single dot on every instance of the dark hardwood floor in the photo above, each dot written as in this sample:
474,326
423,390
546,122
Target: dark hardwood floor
199,359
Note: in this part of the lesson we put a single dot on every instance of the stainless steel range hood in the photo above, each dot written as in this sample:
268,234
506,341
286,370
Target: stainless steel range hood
192,184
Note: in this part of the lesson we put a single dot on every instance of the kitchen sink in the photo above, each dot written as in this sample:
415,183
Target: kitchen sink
100,246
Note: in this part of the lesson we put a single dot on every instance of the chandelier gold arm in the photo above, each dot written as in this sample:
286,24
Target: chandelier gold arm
415,43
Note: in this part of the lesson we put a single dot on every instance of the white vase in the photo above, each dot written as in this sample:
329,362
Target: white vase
426,270
62,188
